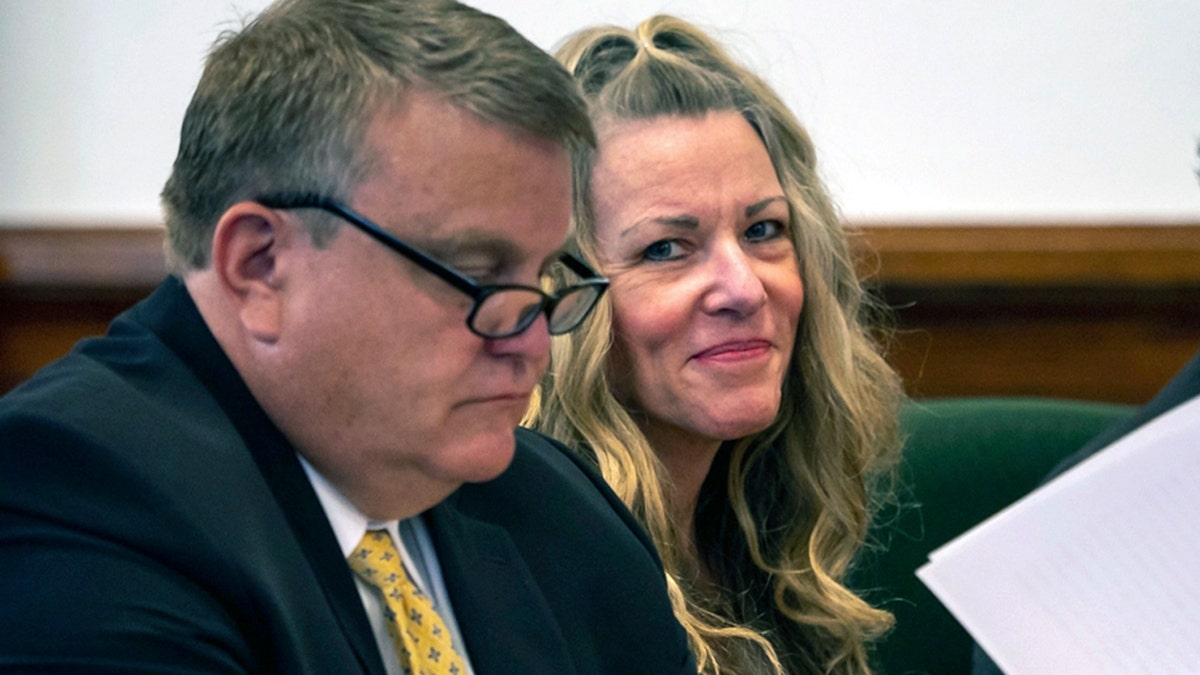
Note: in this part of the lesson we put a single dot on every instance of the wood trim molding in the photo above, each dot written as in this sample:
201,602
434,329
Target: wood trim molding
1104,311
81,257
957,254
1043,254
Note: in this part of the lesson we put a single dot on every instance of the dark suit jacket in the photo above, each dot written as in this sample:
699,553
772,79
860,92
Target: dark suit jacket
1182,388
153,519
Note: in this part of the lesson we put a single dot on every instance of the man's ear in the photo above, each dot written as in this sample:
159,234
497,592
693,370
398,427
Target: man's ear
247,247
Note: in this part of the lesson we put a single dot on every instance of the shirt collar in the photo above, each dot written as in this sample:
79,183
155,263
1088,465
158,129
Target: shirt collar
349,524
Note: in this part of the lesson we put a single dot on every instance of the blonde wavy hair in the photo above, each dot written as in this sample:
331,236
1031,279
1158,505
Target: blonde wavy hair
782,513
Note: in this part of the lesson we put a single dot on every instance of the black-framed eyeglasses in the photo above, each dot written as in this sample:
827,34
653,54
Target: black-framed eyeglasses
499,310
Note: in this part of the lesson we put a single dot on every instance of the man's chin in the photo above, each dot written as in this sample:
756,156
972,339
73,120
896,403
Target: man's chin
478,458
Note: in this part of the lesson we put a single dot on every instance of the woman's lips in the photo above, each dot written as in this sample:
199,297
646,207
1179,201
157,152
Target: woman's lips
736,350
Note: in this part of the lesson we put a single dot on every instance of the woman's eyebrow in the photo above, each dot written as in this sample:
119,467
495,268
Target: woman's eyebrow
755,208
691,222
683,222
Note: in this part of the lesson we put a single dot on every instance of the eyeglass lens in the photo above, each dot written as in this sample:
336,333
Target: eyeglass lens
511,310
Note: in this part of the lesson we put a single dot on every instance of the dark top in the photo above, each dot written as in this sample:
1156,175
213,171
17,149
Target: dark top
153,519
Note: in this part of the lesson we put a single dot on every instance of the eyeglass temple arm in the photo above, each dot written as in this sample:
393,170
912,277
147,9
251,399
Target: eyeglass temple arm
466,285
579,267
313,201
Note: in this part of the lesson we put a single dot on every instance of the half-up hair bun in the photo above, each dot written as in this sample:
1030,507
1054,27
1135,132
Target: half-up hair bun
603,60
673,38
663,33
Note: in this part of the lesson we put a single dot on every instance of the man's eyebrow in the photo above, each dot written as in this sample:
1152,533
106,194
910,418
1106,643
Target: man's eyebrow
473,243
498,251
681,222
757,207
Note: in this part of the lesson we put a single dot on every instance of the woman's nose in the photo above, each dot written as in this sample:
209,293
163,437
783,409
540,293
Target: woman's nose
734,285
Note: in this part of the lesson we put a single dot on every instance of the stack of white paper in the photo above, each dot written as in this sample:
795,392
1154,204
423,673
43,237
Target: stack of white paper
1096,572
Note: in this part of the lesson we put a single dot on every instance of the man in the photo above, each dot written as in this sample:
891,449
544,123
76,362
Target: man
297,455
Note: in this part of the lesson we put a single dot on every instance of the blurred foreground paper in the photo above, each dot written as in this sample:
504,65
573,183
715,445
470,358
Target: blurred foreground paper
1098,571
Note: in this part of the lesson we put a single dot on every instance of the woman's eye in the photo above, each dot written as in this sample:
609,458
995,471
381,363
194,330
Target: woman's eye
661,250
763,230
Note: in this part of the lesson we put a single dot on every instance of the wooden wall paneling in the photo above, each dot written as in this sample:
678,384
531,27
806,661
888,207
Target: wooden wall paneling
1101,311
40,326
59,284
1098,343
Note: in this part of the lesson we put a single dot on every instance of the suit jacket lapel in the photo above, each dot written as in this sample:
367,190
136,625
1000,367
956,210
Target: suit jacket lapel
312,530
505,621
174,317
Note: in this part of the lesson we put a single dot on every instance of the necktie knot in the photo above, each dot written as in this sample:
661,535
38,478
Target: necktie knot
418,633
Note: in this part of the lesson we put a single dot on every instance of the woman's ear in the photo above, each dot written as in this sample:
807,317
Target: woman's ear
247,247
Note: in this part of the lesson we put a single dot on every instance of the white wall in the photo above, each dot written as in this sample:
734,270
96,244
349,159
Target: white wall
921,109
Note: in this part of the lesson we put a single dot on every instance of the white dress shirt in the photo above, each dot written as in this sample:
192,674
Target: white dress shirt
416,549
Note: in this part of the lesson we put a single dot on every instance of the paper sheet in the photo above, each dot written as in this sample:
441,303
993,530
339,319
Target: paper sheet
1096,572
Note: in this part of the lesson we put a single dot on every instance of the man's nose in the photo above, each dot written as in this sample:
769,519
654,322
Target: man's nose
531,344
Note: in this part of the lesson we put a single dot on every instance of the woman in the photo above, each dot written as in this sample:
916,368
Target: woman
728,389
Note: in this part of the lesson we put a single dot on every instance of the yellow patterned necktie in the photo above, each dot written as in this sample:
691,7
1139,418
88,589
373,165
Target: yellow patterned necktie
420,636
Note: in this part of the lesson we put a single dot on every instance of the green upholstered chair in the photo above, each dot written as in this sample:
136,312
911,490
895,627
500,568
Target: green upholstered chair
964,459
